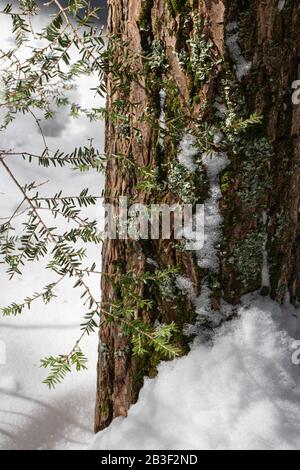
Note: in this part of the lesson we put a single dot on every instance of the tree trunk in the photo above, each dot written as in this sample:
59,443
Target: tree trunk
207,65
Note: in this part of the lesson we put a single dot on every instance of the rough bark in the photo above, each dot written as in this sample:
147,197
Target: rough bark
260,188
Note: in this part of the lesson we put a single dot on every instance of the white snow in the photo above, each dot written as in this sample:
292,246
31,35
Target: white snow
241,393
207,316
215,164
152,262
281,5
188,151
162,118
232,42
193,231
221,109
203,308
185,284
218,137
31,416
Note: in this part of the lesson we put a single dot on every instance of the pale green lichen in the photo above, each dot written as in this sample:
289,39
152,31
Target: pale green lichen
248,259
186,184
157,58
166,282
200,60
124,127
255,170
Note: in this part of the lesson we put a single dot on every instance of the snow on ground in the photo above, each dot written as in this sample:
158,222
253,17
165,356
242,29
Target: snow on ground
241,393
31,416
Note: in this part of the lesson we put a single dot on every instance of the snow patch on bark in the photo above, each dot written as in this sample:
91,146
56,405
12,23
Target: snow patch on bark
194,240
152,262
162,117
232,42
186,156
208,256
187,152
205,314
221,109
281,5
207,252
185,284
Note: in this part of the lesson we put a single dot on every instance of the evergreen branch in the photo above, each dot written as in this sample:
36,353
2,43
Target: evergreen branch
46,296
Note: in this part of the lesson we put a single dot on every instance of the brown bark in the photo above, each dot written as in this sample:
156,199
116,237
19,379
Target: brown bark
269,38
